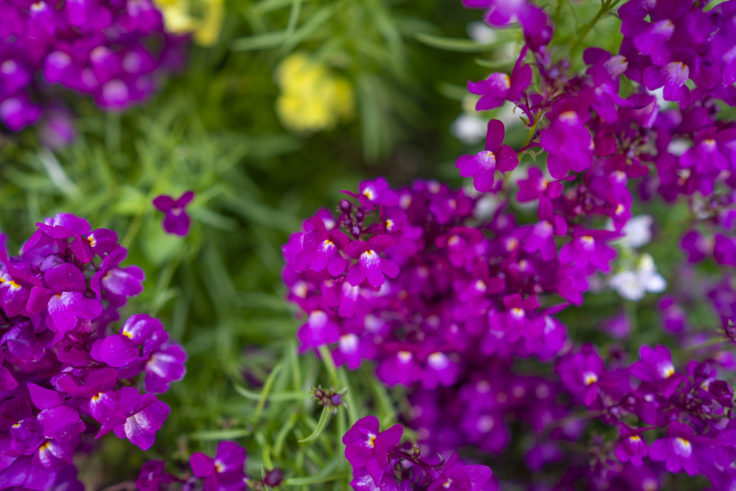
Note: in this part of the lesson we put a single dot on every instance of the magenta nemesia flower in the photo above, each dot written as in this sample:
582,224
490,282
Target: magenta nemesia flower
129,414
499,87
677,450
224,471
460,477
496,156
61,373
568,141
632,448
176,221
371,266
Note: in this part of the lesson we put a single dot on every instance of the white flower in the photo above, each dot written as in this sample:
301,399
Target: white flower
481,33
469,128
638,231
678,146
632,285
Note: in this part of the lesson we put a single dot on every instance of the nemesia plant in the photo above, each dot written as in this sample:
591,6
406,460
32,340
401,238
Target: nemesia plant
112,51
69,373
566,319
464,308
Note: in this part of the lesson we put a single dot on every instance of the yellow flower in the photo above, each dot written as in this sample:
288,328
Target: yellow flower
312,98
202,18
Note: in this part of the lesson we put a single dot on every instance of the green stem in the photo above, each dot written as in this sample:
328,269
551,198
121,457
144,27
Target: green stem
324,351
264,393
706,344
606,5
301,481
132,230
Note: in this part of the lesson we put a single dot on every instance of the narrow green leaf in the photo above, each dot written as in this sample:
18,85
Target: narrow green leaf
260,41
324,352
301,481
221,434
458,44
278,396
264,393
313,25
496,65
296,6
321,425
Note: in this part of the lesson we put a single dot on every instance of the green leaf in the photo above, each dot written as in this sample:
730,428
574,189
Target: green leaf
264,393
495,65
260,41
459,44
321,425
227,434
278,396
301,481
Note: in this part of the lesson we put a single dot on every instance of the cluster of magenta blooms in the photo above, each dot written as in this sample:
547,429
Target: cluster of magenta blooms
459,304
109,50
71,370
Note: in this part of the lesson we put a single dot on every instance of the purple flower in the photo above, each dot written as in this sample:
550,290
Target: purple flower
581,373
460,477
496,156
371,266
677,450
655,364
672,77
589,249
130,415
318,330
401,368
376,193
536,25
631,448
224,471
499,87
366,447
164,366
117,283
536,186
152,476
93,48
176,221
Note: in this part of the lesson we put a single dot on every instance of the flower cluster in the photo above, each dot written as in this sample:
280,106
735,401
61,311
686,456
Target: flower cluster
379,461
416,280
460,303
103,49
597,143
65,377
665,133
664,419
223,471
